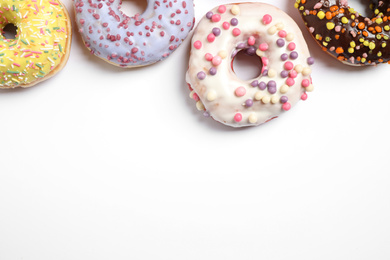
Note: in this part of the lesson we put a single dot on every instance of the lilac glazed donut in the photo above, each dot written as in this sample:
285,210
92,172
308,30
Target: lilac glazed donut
257,29
135,41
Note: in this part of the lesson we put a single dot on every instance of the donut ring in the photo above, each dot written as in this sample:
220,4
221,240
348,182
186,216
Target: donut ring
259,29
133,41
41,46
345,34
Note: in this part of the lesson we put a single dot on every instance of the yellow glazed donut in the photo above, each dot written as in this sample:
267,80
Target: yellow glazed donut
42,43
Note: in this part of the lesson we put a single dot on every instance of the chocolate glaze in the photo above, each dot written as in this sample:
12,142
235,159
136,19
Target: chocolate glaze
339,30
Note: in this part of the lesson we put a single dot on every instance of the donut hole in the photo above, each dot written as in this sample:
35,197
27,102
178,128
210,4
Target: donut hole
247,66
10,31
361,6
133,7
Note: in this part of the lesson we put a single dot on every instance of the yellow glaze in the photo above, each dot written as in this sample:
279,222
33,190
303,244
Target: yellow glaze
40,44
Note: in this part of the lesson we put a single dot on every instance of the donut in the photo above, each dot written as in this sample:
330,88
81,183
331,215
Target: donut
258,29
347,35
42,43
135,41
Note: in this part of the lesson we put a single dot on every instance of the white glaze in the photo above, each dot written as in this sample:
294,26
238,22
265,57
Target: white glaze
134,41
224,104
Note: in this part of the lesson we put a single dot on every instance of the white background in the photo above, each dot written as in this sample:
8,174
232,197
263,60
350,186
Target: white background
100,162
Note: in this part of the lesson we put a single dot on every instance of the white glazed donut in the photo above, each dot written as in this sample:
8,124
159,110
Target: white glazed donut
259,29
133,41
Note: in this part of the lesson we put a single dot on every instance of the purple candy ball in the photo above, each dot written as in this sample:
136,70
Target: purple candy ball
201,75
283,99
262,85
280,42
251,51
310,60
255,83
293,55
209,15
265,73
284,57
249,103
271,87
241,46
213,71
216,31
284,74
234,21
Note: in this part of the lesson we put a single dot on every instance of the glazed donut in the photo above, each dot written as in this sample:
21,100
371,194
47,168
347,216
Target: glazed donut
347,35
41,46
133,41
258,29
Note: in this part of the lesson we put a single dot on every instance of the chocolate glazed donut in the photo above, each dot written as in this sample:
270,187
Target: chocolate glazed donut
345,34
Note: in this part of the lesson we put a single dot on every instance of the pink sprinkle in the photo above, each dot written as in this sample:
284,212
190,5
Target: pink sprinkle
293,74
208,56
251,40
263,47
53,3
216,18
264,60
216,60
290,82
222,9
16,64
305,83
288,65
134,50
267,19
304,96
210,37
282,33
291,46
237,117
286,106
236,32
226,25
195,97
198,45
240,91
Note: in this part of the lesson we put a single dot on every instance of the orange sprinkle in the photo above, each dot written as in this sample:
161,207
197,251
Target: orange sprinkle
339,50
370,28
328,15
361,26
303,1
337,36
334,8
340,57
385,18
365,33
378,29
325,49
341,10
